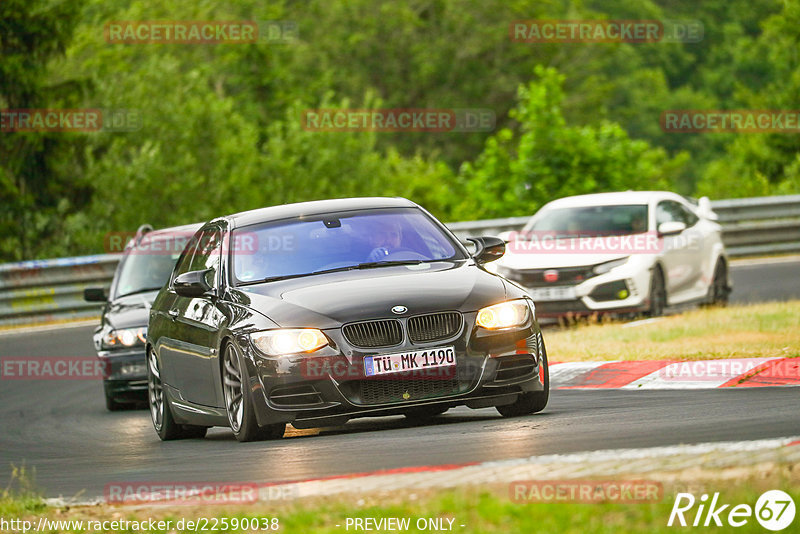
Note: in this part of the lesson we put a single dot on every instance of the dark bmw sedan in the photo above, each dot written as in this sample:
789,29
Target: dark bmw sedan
319,312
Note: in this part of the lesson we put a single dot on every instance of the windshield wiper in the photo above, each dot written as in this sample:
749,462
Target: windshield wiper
373,264
365,265
143,290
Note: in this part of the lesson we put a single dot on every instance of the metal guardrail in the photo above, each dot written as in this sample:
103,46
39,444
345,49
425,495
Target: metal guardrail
45,290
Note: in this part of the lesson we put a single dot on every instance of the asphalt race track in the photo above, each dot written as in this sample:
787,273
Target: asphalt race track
61,428
759,282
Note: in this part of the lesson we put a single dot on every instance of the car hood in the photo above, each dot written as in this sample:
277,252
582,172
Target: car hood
329,300
562,253
131,311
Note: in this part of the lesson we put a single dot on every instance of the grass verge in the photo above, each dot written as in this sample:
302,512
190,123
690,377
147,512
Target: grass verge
489,509
757,330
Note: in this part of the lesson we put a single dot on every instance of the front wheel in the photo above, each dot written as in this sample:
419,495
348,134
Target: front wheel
239,401
658,294
160,411
532,401
719,290
112,404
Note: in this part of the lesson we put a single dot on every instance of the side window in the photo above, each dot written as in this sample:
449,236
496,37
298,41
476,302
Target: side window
668,211
663,213
202,252
183,263
206,256
688,217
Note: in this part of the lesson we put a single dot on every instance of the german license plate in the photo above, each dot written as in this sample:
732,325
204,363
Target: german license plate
552,293
409,361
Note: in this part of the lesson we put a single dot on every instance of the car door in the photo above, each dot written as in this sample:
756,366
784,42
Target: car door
676,254
695,254
197,321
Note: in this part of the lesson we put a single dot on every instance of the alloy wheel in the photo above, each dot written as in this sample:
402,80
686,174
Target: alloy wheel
232,385
155,391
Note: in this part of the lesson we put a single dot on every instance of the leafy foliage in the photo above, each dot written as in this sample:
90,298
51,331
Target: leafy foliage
222,129
515,175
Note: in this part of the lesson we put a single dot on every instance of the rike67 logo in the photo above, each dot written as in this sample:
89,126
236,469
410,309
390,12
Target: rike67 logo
774,510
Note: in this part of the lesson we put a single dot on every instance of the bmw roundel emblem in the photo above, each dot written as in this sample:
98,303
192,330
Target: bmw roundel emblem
399,310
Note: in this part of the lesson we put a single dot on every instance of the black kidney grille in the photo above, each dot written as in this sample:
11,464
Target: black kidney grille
383,391
434,326
374,333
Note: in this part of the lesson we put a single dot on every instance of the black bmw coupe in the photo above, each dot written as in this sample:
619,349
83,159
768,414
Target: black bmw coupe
319,312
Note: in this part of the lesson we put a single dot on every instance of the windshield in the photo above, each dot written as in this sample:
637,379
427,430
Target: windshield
591,221
338,242
145,267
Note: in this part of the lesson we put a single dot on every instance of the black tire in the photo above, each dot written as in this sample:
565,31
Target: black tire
160,410
658,294
532,401
239,400
719,291
424,412
112,404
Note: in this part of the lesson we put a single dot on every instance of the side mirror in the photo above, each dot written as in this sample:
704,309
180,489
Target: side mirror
95,294
671,228
705,210
487,249
192,284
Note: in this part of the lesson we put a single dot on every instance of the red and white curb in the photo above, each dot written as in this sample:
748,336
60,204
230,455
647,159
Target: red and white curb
672,374
548,467
592,464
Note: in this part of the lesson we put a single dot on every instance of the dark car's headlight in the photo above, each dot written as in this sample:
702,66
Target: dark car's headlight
288,341
504,315
124,337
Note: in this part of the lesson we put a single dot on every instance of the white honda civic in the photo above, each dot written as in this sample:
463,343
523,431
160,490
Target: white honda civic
618,253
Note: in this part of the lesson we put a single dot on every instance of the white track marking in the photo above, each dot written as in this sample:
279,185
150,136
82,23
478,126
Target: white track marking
562,374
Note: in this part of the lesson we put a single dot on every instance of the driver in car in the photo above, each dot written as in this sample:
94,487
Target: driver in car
386,239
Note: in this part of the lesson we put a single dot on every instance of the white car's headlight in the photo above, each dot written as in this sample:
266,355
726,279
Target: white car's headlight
125,337
504,315
289,341
607,266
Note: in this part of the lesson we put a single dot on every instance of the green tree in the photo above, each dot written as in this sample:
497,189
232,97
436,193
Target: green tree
548,159
39,171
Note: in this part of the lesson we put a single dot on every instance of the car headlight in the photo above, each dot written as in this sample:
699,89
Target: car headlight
504,315
125,337
603,268
288,341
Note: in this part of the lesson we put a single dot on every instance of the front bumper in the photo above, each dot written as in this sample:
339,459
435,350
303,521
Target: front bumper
331,387
126,372
622,290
